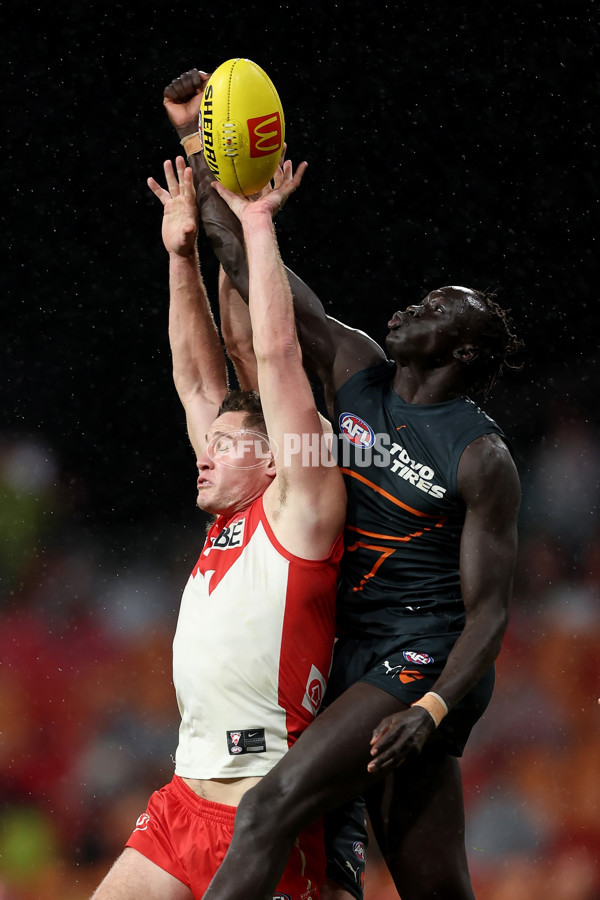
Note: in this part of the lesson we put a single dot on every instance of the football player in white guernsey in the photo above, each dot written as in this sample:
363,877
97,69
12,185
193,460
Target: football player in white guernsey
256,627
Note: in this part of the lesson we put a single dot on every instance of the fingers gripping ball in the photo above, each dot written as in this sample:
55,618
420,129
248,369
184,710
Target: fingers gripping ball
242,126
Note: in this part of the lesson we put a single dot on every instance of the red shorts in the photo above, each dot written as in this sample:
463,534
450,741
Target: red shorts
188,837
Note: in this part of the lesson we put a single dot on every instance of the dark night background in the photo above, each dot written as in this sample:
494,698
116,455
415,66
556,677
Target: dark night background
446,144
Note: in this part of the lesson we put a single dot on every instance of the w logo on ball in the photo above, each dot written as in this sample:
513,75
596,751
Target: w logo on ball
265,134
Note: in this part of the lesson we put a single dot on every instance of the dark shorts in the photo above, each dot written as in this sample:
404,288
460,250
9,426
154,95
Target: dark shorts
346,841
406,666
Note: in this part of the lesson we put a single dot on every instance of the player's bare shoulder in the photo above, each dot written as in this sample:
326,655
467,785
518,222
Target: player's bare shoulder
354,350
306,503
487,470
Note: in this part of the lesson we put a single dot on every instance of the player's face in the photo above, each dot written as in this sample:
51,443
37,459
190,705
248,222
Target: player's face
434,328
235,468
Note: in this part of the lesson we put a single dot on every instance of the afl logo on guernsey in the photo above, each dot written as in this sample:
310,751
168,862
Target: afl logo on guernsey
421,659
356,430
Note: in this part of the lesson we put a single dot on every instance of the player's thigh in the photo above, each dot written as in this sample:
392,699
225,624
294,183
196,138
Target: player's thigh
418,818
332,891
328,763
133,876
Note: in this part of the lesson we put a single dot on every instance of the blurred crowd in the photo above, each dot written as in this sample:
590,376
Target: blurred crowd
88,719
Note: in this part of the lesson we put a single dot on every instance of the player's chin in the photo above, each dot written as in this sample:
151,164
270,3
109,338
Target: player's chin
203,501
393,337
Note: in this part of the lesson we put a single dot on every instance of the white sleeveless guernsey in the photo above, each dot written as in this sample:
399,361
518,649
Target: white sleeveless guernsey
252,649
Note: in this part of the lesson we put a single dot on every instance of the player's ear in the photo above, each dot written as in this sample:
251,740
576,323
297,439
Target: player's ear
271,470
467,353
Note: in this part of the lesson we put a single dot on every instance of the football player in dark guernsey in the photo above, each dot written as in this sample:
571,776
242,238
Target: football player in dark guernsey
431,542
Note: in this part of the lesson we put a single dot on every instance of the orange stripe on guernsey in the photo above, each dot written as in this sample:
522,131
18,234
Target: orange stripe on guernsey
416,512
385,552
391,537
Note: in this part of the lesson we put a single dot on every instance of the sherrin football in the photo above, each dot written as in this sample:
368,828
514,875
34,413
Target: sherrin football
242,126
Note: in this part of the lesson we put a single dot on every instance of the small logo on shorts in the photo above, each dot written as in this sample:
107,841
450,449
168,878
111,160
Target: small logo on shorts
281,897
421,659
359,850
142,822
404,674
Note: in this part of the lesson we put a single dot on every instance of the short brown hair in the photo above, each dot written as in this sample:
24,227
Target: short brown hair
248,402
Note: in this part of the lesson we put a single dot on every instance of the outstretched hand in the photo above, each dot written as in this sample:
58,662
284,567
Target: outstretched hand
180,215
271,198
399,737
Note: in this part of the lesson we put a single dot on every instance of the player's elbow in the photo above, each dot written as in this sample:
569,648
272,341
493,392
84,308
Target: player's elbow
500,627
490,622
280,347
239,346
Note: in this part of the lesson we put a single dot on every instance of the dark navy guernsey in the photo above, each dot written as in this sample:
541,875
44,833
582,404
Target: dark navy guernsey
404,517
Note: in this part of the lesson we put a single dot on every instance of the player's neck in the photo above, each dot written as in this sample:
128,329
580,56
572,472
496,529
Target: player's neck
424,388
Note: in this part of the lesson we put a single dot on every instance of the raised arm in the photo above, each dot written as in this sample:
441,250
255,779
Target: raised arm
199,369
306,503
331,350
489,485
236,330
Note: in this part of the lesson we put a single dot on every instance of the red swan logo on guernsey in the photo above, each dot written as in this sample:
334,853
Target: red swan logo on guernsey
356,430
142,822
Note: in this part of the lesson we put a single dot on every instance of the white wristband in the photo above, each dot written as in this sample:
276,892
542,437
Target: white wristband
435,705
192,143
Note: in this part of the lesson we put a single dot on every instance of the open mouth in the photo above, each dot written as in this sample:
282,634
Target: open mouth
397,320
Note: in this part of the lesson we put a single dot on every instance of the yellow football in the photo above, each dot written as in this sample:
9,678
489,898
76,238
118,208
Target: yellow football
242,126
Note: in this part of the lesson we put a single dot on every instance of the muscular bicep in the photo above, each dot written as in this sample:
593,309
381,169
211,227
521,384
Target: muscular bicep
236,329
331,350
489,485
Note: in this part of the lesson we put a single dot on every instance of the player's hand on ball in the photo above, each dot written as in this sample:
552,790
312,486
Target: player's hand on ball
180,215
271,199
182,99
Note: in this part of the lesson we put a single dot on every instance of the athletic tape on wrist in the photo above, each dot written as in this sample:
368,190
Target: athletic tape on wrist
192,143
434,704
